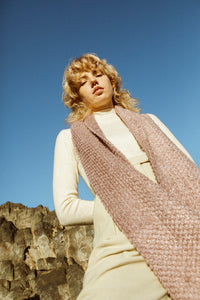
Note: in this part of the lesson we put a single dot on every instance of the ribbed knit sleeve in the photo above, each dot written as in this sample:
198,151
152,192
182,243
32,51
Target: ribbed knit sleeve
69,208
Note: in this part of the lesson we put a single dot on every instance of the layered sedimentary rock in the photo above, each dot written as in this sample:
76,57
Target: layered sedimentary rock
39,258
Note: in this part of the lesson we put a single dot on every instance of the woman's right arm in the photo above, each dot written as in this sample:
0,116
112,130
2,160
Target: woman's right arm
69,208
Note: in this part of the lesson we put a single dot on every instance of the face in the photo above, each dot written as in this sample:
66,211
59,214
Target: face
96,90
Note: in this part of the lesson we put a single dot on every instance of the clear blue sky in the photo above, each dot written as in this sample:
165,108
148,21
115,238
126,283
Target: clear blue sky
154,45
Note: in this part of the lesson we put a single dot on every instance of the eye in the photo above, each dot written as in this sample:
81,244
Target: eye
99,75
82,83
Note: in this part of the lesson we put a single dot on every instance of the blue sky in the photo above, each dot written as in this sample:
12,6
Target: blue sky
154,45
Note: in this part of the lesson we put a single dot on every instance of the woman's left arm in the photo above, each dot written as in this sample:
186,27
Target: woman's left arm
170,135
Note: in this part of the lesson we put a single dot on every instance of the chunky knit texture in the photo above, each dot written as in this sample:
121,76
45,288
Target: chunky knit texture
162,220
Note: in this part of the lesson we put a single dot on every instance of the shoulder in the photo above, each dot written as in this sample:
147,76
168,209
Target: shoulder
64,134
64,146
154,118
64,138
169,134
158,122
162,126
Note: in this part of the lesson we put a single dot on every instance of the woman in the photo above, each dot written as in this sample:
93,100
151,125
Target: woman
146,188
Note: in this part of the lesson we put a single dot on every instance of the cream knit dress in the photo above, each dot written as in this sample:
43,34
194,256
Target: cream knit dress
116,270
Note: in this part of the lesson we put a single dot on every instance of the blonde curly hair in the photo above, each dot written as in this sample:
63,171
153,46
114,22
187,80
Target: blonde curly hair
71,84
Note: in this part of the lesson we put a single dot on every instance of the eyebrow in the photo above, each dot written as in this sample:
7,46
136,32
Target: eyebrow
83,77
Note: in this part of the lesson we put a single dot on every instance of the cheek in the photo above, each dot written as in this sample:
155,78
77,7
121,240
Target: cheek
109,84
83,93
111,88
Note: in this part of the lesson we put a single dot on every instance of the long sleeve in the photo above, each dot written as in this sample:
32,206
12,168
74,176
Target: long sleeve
69,208
170,135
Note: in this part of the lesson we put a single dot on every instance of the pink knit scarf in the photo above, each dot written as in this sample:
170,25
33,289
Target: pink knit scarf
162,220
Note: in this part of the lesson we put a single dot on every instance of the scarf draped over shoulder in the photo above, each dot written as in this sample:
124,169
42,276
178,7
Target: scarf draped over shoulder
162,220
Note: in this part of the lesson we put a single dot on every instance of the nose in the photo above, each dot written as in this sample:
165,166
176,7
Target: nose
93,81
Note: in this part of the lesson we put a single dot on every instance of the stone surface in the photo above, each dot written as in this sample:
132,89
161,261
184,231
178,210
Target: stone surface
39,258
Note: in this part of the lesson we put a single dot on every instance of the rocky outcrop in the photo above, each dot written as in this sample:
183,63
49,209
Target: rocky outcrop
39,258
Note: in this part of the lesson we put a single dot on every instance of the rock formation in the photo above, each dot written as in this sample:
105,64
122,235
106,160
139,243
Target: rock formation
39,258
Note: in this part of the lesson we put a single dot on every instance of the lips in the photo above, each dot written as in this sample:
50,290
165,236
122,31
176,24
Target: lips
96,89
